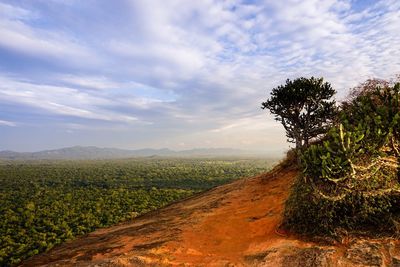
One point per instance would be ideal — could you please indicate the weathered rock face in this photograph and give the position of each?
(232, 225)
(366, 253)
(360, 252)
(291, 256)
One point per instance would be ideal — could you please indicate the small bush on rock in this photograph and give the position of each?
(351, 178)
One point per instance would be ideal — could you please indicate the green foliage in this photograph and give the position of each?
(351, 178)
(307, 212)
(46, 203)
(304, 108)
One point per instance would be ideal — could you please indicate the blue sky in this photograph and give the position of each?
(177, 73)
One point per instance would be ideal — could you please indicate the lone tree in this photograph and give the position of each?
(304, 108)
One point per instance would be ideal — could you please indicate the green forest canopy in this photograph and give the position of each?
(45, 203)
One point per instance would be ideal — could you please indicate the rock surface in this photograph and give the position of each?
(231, 225)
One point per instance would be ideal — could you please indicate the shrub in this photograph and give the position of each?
(351, 178)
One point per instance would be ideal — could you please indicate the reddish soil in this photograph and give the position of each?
(244, 222)
(232, 225)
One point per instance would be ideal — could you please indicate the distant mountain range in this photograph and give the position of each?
(92, 152)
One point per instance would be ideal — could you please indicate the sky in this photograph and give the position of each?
(177, 74)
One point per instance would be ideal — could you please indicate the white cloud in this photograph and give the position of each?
(14, 12)
(8, 123)
(59, 100)
(90, 82)
(18, 35)
(200, 68)
(171, 58)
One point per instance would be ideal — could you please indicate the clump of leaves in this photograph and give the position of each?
(304, 107)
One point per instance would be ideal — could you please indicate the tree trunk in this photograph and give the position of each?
(299, 149)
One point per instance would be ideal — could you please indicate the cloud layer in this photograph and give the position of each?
(177, 73)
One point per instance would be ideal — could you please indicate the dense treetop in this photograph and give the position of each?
(304, 107)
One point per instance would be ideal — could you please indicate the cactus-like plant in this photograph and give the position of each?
(352, 176)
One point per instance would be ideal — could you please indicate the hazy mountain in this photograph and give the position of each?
(92, 152)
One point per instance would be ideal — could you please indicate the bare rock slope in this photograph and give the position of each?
(231, 225)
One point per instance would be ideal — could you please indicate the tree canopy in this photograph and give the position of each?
(304, 107)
